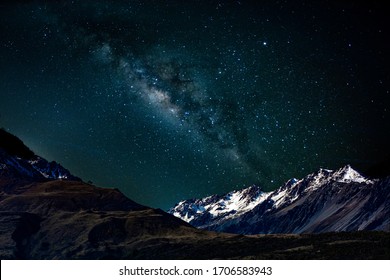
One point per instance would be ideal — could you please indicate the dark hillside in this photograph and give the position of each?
(14, 146)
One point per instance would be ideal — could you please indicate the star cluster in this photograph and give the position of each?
(168, 100)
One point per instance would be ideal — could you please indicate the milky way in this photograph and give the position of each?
(169, 100)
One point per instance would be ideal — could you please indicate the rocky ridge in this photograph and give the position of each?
(324, 201)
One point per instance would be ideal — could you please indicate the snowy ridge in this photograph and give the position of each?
(227, 206)
(347, 175)
(16, 165)
(237, 202)
(17, 160)
(51, 170)
(322, 201)
(35, 168)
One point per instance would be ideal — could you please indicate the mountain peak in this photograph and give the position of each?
(16, 159)
(326, 200)
(234, 203)
(347, 174)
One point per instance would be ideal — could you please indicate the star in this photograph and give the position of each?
(164, 110)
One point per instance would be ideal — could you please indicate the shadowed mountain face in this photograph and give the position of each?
(13, 146)
(47, 219)
(18, 161)
(45, 214)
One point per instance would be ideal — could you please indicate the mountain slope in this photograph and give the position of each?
(72, 220)
(216, 208)
(341, 200)
(17, 160)
(45, 215)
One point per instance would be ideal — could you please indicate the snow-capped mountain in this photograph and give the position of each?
(51, 170)
(341, 200)
(18, 161)
(216, 208)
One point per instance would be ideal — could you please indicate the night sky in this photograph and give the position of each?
(168, 100)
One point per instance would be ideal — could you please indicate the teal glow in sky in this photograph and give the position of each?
(168, 100)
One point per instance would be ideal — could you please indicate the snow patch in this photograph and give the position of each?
(347, 175)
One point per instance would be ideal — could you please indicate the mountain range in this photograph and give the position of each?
(325, 201)
(18, 161)
(48, 213)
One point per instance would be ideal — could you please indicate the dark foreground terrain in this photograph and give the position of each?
(47, 213)
(72, 220)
